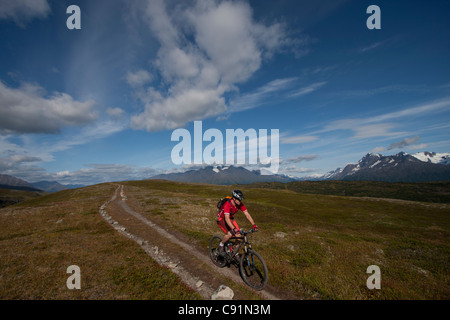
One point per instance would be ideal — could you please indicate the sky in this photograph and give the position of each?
(101, 103)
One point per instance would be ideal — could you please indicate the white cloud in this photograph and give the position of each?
(298, 139)
(115, 112)
(22, 11)
(13, 162)
(138, 78)
(174, 111)
(205, 51)
(27, 110)
(229, 36)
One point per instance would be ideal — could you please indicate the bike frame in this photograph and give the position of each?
(243, 241)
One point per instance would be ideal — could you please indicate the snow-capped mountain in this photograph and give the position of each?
(401, 167)
(433, 157)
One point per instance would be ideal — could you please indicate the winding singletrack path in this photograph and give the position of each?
(174, 251)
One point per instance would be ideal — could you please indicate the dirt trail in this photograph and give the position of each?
(174, 251)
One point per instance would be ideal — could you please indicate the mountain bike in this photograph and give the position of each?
(252, 268)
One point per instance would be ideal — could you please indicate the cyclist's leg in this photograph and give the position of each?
(236, 226)
(226, 230)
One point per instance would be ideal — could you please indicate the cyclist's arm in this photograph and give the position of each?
(228, 220)
(249, 217)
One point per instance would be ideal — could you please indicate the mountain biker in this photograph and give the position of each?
(226, 220)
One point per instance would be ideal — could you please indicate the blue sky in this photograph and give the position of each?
(100, 103)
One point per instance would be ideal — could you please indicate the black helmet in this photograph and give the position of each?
(238, 195)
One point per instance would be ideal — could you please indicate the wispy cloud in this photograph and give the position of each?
(308, 89)
(266, 93)
(308, 157)
(370, 47)
(298, 139)
(375, 130)
(382, 125)
(23, 11)
(295, 171)
(427, 108)
(91, 133)
(362, 128)
(260, 96)
(398, 88)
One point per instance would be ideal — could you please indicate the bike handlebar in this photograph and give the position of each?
(243, 232)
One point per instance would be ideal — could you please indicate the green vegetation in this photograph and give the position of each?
(424, 191)
(9, 197)
(40, 238)
(316, 246)
(320, 246)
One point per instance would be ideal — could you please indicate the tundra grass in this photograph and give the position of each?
(320, 246)
(9, 197)
(41, 238)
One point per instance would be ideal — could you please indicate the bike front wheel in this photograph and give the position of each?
(253, 270)
(214, 254)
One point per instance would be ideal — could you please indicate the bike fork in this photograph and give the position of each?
(250, 261)
(251, 264)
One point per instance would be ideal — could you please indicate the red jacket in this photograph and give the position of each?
(230, 209)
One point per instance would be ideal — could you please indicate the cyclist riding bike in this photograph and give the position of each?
(226, 220)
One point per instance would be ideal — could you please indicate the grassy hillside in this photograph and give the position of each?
(423, 191)
(40, 238)
(317, 246)
(9, 197)
(320, 246)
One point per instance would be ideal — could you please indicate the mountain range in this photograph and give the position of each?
(222, 175)
(10, 182)
(401, 167)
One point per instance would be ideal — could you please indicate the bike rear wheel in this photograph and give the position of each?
(253, 270)
(216, 258)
